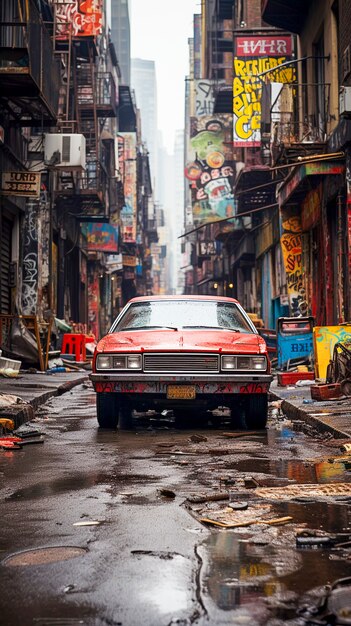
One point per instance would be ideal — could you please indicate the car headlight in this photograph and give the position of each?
(119, 362)
(103, 362)
(134, 362)
(228, 362)
(244, 363)
(259, 363)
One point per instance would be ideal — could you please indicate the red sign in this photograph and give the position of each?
(79, 18)
(263, 46)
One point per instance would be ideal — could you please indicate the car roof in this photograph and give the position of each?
(181, 297)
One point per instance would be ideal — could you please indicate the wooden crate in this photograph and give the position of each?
(326, 392)
(291, 378)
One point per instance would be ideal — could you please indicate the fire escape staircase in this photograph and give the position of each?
(89, 98)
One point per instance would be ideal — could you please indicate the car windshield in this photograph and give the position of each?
(183, 314)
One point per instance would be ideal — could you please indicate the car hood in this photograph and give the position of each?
(182, 340)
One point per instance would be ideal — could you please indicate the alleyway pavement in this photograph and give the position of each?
(34, 389)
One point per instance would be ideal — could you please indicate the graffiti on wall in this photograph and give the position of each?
(324, 340)
(210, 168)
(80, 18)
(291, 243)
(30, 259)
(255, 56)
(128, 212)
(204, 96)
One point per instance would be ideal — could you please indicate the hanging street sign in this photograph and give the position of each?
(21, 184)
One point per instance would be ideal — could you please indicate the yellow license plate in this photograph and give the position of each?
(181, 392)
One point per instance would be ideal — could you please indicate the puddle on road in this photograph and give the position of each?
(257, 575)
(300, 472)
(262, 582)
(76, 483)
(294, 469)
(62, 485)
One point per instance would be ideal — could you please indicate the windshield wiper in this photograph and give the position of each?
(233, 330)
(145, 328)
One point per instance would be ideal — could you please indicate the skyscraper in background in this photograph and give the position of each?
(120, 35)
(143, 81)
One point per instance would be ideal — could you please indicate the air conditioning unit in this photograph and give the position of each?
(65, 151)
(345, 101)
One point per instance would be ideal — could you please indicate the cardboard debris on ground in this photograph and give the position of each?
(346, 447)
(230, 518)
(210, 497)
(290, 492)
(7, 399)
(276, 521)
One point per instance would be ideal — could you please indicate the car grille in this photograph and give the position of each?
(170, 363)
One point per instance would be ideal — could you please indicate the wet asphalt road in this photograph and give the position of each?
(148, 559)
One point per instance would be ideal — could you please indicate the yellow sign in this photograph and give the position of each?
(291, 243)
(257, 60)
(324, 340)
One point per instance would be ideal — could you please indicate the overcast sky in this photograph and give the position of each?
(159, 32)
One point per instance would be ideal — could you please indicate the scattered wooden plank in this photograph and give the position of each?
(244, 433)
(271, 522)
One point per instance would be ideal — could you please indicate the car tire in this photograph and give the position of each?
(256, 411)
(125, 417)
(107, 410)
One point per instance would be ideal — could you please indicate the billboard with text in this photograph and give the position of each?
(257, 60)
(129, 211)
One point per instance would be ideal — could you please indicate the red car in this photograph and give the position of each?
(190, 354)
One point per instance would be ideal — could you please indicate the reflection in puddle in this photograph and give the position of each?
(240, 575)
(164, 585)
(75, 483)
(55, 487)
(298, 471)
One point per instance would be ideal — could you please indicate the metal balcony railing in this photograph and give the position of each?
(94, 178)
(300, 114)
(96, 89)
(27, 65)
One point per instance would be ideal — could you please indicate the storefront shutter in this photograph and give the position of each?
(5, 259)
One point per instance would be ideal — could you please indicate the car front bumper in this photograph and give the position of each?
(158, 384)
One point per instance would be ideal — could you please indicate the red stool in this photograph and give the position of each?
(74, 344)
